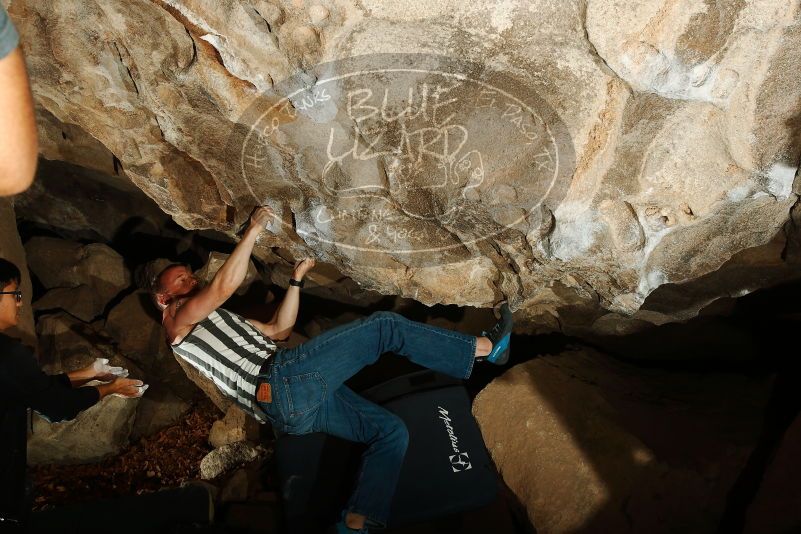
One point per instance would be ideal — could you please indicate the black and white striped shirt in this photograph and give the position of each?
(230, 351)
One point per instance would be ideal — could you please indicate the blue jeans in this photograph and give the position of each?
(308, 394)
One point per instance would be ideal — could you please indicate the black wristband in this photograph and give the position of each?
(293, 282)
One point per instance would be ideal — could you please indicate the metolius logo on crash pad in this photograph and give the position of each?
(460, 460)
(411, 156)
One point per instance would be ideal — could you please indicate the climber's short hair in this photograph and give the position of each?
(149, 277)
(9, 273)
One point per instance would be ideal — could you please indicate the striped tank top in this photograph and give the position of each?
(229, 351)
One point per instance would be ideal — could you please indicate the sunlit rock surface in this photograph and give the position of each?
(227, 457)
(235, 426)
(590, 444)
(602, 164)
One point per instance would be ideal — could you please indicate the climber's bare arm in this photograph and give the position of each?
(181, 314)
(279, 327)
(19, 146)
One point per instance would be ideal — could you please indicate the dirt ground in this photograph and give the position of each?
(164, 460)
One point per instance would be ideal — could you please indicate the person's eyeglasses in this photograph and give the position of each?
(17, 294)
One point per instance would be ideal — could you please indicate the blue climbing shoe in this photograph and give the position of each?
(500, 335)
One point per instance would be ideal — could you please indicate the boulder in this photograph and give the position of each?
(67, 344)
(90, 199)
(100, 431)
(135, 326)
(228, 457)
(82, 302)
(590, 444)
(235, 426)
(59, 263)
(326, 281)
(159, 408)
(53, 260)
(583, 156)
(213, 264)
(206, 385)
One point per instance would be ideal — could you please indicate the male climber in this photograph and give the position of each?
(301, 390)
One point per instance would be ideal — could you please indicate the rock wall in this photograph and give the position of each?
(602, 164)
(590, 444)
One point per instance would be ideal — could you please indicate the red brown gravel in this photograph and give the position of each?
(163, 460)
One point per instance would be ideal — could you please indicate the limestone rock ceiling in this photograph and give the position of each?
(598, 163)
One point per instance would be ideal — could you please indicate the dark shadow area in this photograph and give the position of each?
(139, 241)
(756, 340)
(164, 512)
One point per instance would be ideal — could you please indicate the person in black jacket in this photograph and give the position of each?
(23, 385)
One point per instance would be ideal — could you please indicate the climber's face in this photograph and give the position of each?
(178, 281)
